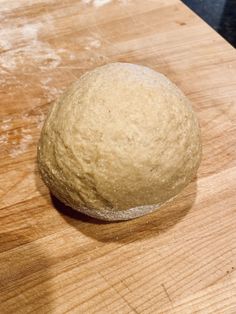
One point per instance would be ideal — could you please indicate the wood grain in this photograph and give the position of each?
(180, 259)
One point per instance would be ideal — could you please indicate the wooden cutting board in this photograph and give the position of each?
(182, 258)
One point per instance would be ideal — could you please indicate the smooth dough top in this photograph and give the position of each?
(122, 136)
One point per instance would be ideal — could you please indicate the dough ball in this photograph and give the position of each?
(119, 143)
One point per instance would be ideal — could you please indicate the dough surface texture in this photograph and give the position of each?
(119, 143)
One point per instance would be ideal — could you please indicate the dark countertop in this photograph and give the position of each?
(219, 14)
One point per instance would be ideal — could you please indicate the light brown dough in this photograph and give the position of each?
(119, 143)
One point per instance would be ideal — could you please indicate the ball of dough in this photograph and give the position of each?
(119, 143)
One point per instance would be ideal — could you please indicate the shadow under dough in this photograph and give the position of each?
(132, 230)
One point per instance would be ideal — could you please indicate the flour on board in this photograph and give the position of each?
(22, 146)
(23, 50)
(36, 118)
(3, 139)
(38, 52)
(6, 124)
(100, 3)
(28, 51)
(12, 35)
(92, 43)
(34, 50)
(30, 30)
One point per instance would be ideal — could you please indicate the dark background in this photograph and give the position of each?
(219, 14)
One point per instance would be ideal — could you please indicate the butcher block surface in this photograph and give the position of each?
(180, 259)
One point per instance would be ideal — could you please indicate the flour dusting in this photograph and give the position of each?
(51, 92)
(5, 127)
(91, 45)
(40, 121)
(100, 3)
(95, 43)
(7, 62)
(6, 120)
(45, 81)
(22, 146)
(96, 3)
(3, 139)
(11, 36)
(4, 45)
(38, 118)
(30, 31)
(6, 37)
(33, 52)
(36, 53)
(6, 124)
(24, 50)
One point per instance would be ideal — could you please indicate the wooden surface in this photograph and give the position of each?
(179, 260)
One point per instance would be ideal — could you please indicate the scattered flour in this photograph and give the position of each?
(96, 3)
(5, 127)
(93, 43)
(3, 139)
(22, 48)
(36, 53)
(7, 62)
(40, 121)
(6, 38)
(27, 52)
(72, 56)
(30, 30)
(45, 81)
(6, 124)
(100, 3)
(12, 35)
(67, 53)
(4, 44)
(90, 43)
(37, 118)
(50, 91)
(6, 120)
(22, 146)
